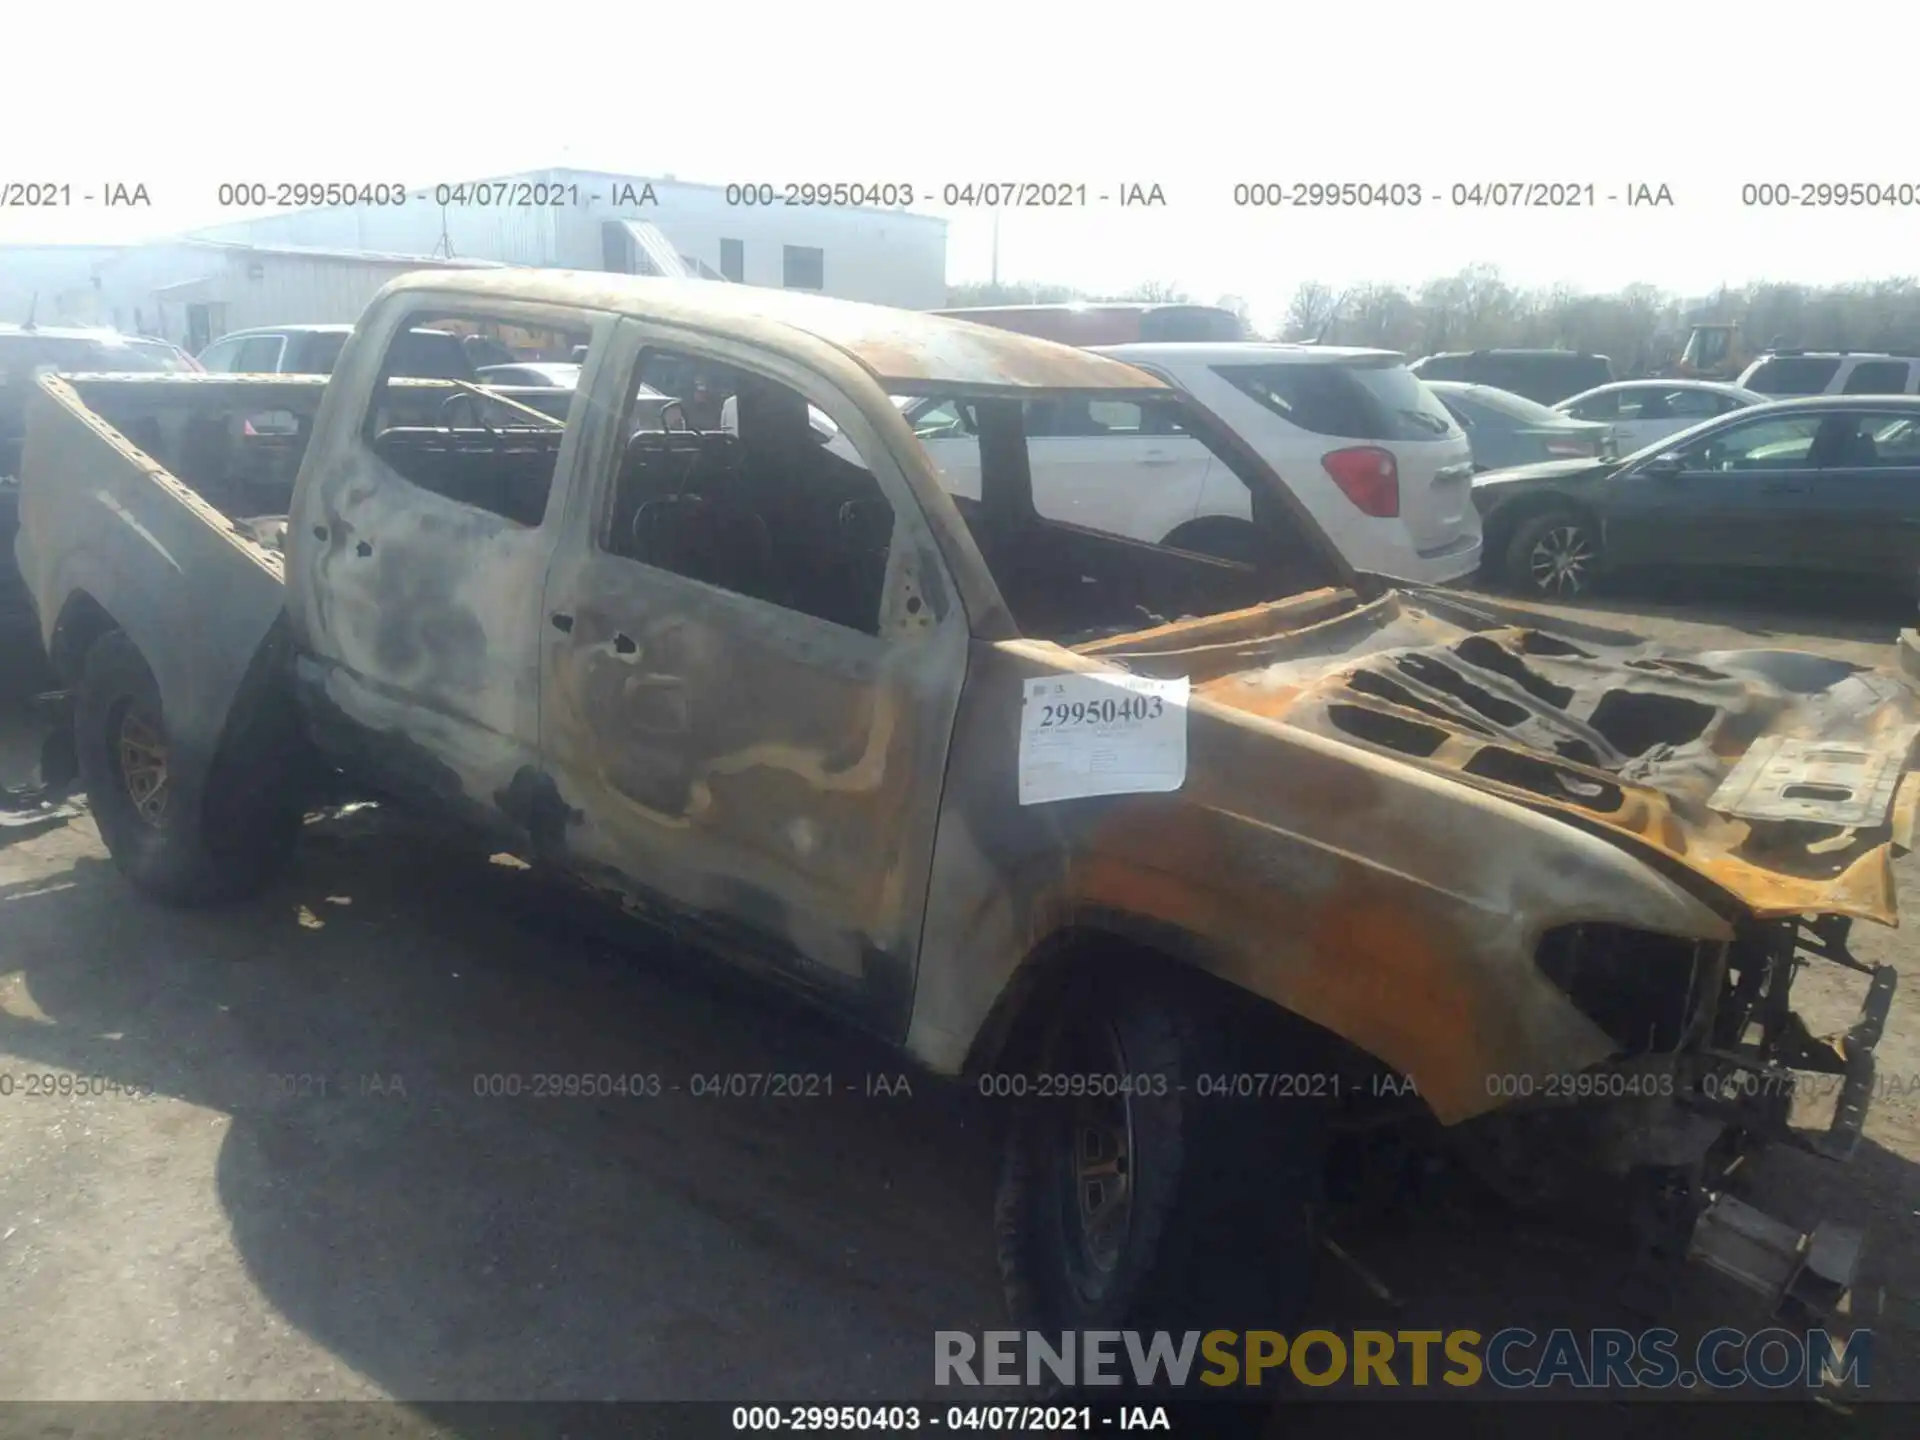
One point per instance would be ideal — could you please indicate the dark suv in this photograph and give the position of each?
(1544, 376)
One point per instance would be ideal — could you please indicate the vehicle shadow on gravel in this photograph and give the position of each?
(451, 1244)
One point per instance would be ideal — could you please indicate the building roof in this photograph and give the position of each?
(345, 257)
(910, 351)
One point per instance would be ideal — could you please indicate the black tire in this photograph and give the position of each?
(1223, 1197)
(241, 831)
(1554, 555)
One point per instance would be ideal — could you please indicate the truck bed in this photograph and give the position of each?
(144, 502)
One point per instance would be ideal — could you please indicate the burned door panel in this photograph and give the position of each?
(419, 619)
(421, 550)
(758, 774)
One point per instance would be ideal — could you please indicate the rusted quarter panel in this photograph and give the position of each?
(104, 521)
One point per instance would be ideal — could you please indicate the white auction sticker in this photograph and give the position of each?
(1083, 735)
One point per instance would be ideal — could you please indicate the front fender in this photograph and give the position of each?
(1396, 908)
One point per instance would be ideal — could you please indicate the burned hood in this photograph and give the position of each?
(1775, 775)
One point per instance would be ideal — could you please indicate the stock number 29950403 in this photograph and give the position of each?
(1112, 711)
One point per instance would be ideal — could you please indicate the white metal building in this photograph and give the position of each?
(194, 291)
(322, 266)
(889, 256)
(52, 282)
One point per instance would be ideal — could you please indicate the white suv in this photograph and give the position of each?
(1369, 451)
(1786, 373)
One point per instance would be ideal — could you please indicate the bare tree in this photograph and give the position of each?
(1309, 311)
(1158, 292)
(1240, 309)
(1379, 315)
(1019, 292)
(1641, 327)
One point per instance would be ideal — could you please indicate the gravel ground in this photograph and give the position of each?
(309, 1199)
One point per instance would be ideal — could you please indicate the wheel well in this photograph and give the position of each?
(83, 621)
(1229, 537)
(1209, 525)
(1500, 526)
(1063, 969)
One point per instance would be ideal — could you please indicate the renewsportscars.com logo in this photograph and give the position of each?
(1509, 1359)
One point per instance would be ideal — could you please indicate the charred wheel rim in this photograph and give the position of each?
(141, 745)
(1097, 1170)
(1561, 560)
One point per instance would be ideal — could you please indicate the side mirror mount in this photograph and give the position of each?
(1668, 466)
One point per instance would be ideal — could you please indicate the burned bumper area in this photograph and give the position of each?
(1782, 782)
(1713, 1062)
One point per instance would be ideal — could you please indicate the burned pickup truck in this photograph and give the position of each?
(1132, 836)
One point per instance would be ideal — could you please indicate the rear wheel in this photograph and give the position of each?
(1554, 555)
(1159, 1200)
(178, 849)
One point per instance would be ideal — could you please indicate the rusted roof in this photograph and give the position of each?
(902, 348)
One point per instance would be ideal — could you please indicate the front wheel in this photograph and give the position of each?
(179, 848)
(1161, 1200)
(1554, 555)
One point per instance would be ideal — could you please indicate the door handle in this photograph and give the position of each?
(563, 623)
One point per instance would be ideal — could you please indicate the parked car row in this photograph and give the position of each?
(1690, 474)
(1824, 485)
(1536, 467)
(1410, 475)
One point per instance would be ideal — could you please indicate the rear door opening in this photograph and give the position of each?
(1077, 583)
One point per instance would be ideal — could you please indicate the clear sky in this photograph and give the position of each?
(1194, 98)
